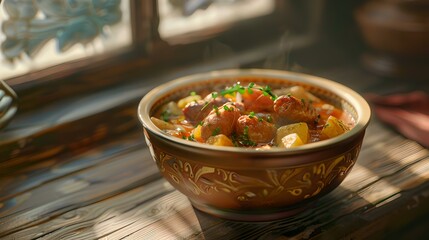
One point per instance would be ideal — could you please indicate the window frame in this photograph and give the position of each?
(147, 51)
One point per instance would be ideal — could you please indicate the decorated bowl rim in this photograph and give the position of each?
(353, 98)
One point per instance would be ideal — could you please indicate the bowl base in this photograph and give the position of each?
(250, 215)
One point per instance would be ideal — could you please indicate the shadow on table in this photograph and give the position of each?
(318, 217)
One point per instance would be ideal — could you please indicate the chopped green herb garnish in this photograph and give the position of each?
(216, 131)
(248, 142)
(214, 95)
(205, 105)
(191, 137)
(227, 108)
(269, 119)
(246, 131)
(316, 121)
(193, 93)
(236, 88)
(216, 109)
(165, 115)
(251, 115)
(244, 139)
(267, 91)
(249, 87)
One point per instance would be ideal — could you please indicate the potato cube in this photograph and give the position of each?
(220, 140)
(172, 109)
(291, 140)
(163, 125)
(300, 93)
(301, 129)
(184, 101)
(196, 134)
(332, 128)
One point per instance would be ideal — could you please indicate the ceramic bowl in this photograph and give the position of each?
(249, 184)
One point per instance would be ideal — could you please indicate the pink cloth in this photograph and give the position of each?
(407, 112)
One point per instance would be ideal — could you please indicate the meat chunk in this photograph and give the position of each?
(220, 120)
(257, 101)
(195, 112)
(254, 130)
(295, 110)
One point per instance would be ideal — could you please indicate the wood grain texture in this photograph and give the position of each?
(76, 189)
(122, 196)
(25, 179)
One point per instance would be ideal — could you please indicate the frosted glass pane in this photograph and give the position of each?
(39, 34)
(179, 16)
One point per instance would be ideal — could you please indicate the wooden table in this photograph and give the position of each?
(114, 191)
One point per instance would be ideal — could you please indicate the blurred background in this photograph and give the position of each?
(388, 36)
(72, 73)
(37, 35)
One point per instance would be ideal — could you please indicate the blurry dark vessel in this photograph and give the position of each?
(397, 31)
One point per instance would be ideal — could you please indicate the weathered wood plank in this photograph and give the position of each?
(172, 214)
(57, 167)
(85, 187)
(102, 218)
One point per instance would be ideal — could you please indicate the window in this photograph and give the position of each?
(111, 45)
(191, 17)
(41, 34)
(49, 47)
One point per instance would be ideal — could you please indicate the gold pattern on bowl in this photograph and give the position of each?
(306, 181)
